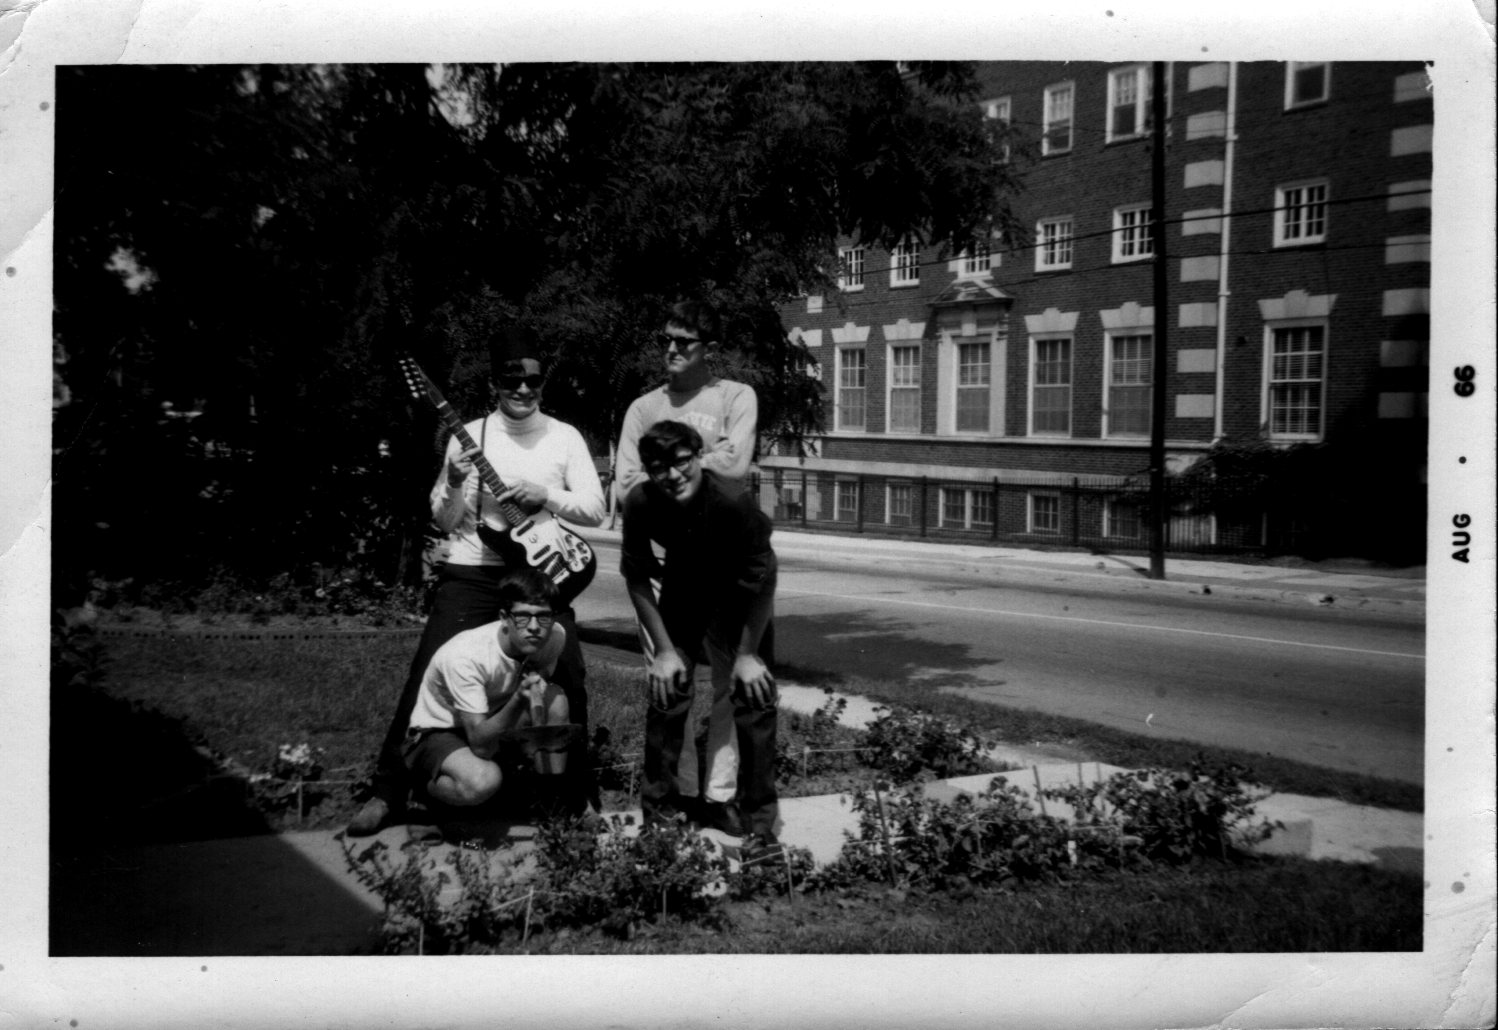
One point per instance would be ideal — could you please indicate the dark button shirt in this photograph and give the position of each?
(717, 546)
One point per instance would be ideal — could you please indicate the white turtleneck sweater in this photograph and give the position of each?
(537, 448)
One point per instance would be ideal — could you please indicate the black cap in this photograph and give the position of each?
(511, 344)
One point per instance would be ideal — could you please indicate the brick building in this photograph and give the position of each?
(1007, 394)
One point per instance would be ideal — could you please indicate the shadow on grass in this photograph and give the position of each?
(152, 854)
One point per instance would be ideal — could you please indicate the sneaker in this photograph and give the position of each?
(760, 847)
(371, 819)
(720, 815)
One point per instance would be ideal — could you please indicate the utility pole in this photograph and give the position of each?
(1157, 363)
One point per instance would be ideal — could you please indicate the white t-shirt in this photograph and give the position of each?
(471, 673)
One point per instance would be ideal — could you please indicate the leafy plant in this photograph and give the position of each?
(1172, 816)
(908, 745)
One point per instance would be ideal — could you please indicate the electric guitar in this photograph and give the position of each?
(538, 540)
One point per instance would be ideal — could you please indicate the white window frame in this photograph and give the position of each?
(1293, 213)
(1110, 531)
(998, 109)
(905, 264)
(1267, 397)
(842, 388)
(968, 496)
(1291, 67)
(850, 261)
(903, 379)
(1133, 233)
(1054, 243)
(1110, 359)
(976, 262)
(1050, 119)
(909, 517)
(1031, 523)
(975, 370)
(1140, 79)
(845, 488)
(1036, 343)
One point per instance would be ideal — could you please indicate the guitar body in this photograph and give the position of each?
(543, 543)
(537, 540)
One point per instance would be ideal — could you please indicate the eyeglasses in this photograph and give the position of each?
(682, 465)
(668, 341)
(542, 619)
(535, 382)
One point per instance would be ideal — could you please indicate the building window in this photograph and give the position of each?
(998, 110)
(974, 376)
(1050, 402)
(905, 263)
(976, 260)
(1056, 131)
(852, 372)
(1133, 233)
(845, 493)
(1121, 520)
(966, 508)
(1045, 512)
(1053, 244)
(1296, 372)
(1128, 102)
(900, 505)
(1300, 213)
(1129, 361)
(850, 263)
(1307, 82)
(905, 389)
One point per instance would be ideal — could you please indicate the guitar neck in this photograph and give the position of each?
(512, 513)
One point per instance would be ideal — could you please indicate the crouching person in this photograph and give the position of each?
(487, 708)
(717, 595)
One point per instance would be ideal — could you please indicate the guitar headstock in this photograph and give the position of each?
(422, 388)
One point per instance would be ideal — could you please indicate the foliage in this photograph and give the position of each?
(619, 881)
(907, 839)
(812, 745)
(906, 744)
(78, 661)
(242, 249)
(1173, 816)
(294, 769)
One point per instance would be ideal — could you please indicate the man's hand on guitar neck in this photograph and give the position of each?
(527, 496)
(460, 466)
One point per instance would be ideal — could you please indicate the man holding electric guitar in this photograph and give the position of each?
(507, 480)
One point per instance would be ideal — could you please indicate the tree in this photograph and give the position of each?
(256, 242)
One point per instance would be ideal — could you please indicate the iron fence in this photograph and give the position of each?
(1072, 511)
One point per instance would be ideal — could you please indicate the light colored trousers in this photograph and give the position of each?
(722, 737)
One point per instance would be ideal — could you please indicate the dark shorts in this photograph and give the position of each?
(424, 751)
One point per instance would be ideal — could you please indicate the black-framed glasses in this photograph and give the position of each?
(542, 619)
(656, 470)
(667, 341)
(535, 382)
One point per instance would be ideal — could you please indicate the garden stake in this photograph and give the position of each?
(805, 751)
(1039, 796)
(299, 802)
(790, 883)
(889, 858)
(525, 934)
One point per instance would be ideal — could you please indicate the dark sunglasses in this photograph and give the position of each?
(516, 382)
(679, 342)
(682, 465)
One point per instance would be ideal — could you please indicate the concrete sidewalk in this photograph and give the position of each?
(1333, 584)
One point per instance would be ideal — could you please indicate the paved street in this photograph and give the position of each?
(1340, 687)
